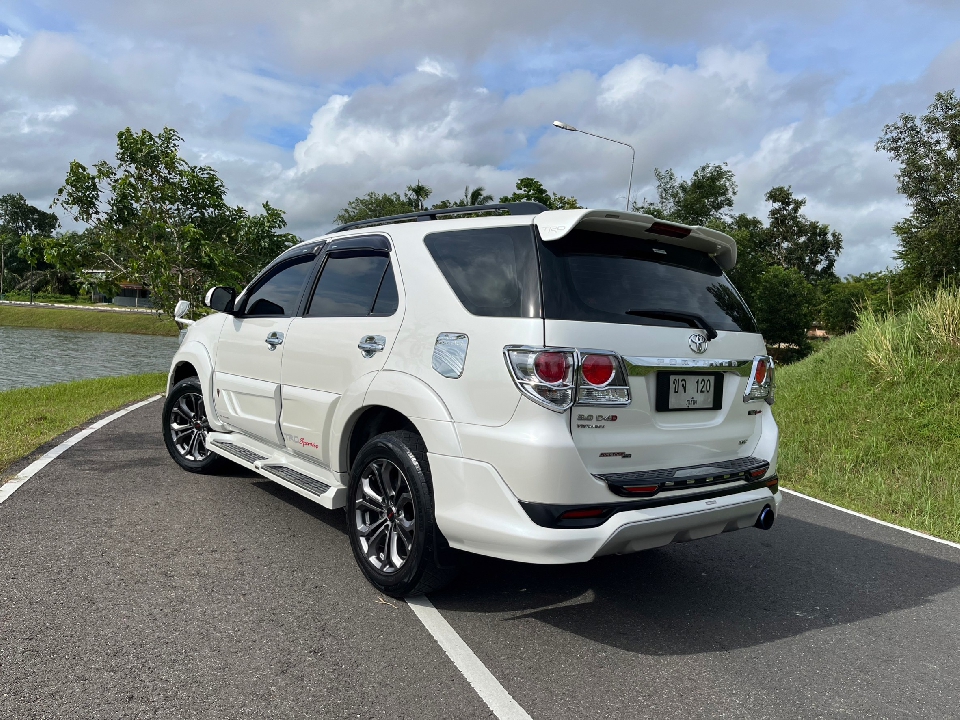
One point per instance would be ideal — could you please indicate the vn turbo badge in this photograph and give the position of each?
(698, 342)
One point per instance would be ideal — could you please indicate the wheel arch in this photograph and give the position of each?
(398, 401)
(192, 360)
(181, 371)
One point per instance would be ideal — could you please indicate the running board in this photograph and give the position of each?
(282, 467)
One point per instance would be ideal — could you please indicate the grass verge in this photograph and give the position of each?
(31, 417)
(66, 319)
(872, 422)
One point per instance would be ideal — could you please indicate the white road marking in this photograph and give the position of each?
(873, 519)
(482, 680)
(8, 489)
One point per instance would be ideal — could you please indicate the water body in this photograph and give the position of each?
(32, 356)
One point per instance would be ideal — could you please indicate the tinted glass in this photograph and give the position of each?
(279, 294)
(493, 271)
(387, 298)
(595, 277)
(348, 284)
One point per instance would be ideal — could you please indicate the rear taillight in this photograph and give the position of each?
(760, 385)
(552, 367)
(545, 375)
(558, 377)
(601, 379)
(598, 370)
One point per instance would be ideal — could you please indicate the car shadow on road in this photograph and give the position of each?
(732, 591)
(334, 519)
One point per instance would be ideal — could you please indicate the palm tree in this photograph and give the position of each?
(417, 196)
(477, 196)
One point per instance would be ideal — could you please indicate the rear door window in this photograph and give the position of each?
(493, 271)
(354, 283)
(597, 277)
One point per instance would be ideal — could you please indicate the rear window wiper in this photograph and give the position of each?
(691, 319)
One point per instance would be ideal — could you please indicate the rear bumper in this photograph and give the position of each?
(536, 456)
(477, 512)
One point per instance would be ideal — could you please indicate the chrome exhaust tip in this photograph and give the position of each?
(765, 519)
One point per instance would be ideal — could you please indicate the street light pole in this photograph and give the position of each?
(571, 128)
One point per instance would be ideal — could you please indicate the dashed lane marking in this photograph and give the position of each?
(480, 678)
(9, 488)
(873, 519)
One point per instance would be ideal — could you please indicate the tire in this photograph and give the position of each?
(185, 428)
(390, 517)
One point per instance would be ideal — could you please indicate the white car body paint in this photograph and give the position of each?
(495, 455)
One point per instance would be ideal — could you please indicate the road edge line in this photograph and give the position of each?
(500, 702)
(917, 533)
(10, 487)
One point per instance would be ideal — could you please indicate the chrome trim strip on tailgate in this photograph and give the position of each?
(639, 366)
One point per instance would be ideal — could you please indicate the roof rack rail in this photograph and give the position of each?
(513, 208)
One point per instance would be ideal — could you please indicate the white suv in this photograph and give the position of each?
(543, 386)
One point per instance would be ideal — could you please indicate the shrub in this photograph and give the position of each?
(928, 332)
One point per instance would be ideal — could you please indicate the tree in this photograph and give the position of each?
(705, 197)
(784, 308)
(155, 219)
(884, 292)
(531, 189)
(753, 254)
(19, 220)
(477, 196)
(808, 246)
(377, 205)
(417, 196)
(374, 205)
(928, 151)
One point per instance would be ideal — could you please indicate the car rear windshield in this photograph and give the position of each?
(597, 277)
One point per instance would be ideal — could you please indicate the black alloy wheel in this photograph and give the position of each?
(390, 517)
(185, 427)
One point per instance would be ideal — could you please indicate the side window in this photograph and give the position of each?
(354, 283)
(493, 271)
(279, 293)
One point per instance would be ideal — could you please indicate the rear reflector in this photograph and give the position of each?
(582, 513)
(642, 489)
(674, 231)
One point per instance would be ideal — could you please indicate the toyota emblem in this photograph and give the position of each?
(698, 343)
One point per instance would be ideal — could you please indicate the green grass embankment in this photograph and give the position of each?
(99, 321)
(872, 422)
(31, 417)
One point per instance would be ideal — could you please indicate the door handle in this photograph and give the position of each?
(370, 345)
(273, 339)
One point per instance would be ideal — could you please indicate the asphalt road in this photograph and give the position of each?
(131, 589)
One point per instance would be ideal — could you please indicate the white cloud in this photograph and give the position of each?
(9, 46)
(451, 97)
(730, 106)
(433, 67)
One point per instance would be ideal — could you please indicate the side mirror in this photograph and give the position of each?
(182, 308)
(220, 299)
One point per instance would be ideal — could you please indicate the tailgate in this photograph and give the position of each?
(641, 437)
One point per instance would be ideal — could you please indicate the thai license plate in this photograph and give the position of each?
(689, 391)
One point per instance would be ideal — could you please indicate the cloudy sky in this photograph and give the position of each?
(308, 103)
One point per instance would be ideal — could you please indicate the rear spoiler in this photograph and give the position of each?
(555, 224)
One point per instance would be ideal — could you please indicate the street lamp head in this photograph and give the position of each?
(564, 126)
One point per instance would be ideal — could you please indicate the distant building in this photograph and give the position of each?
(130, 295)
(133, 295)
